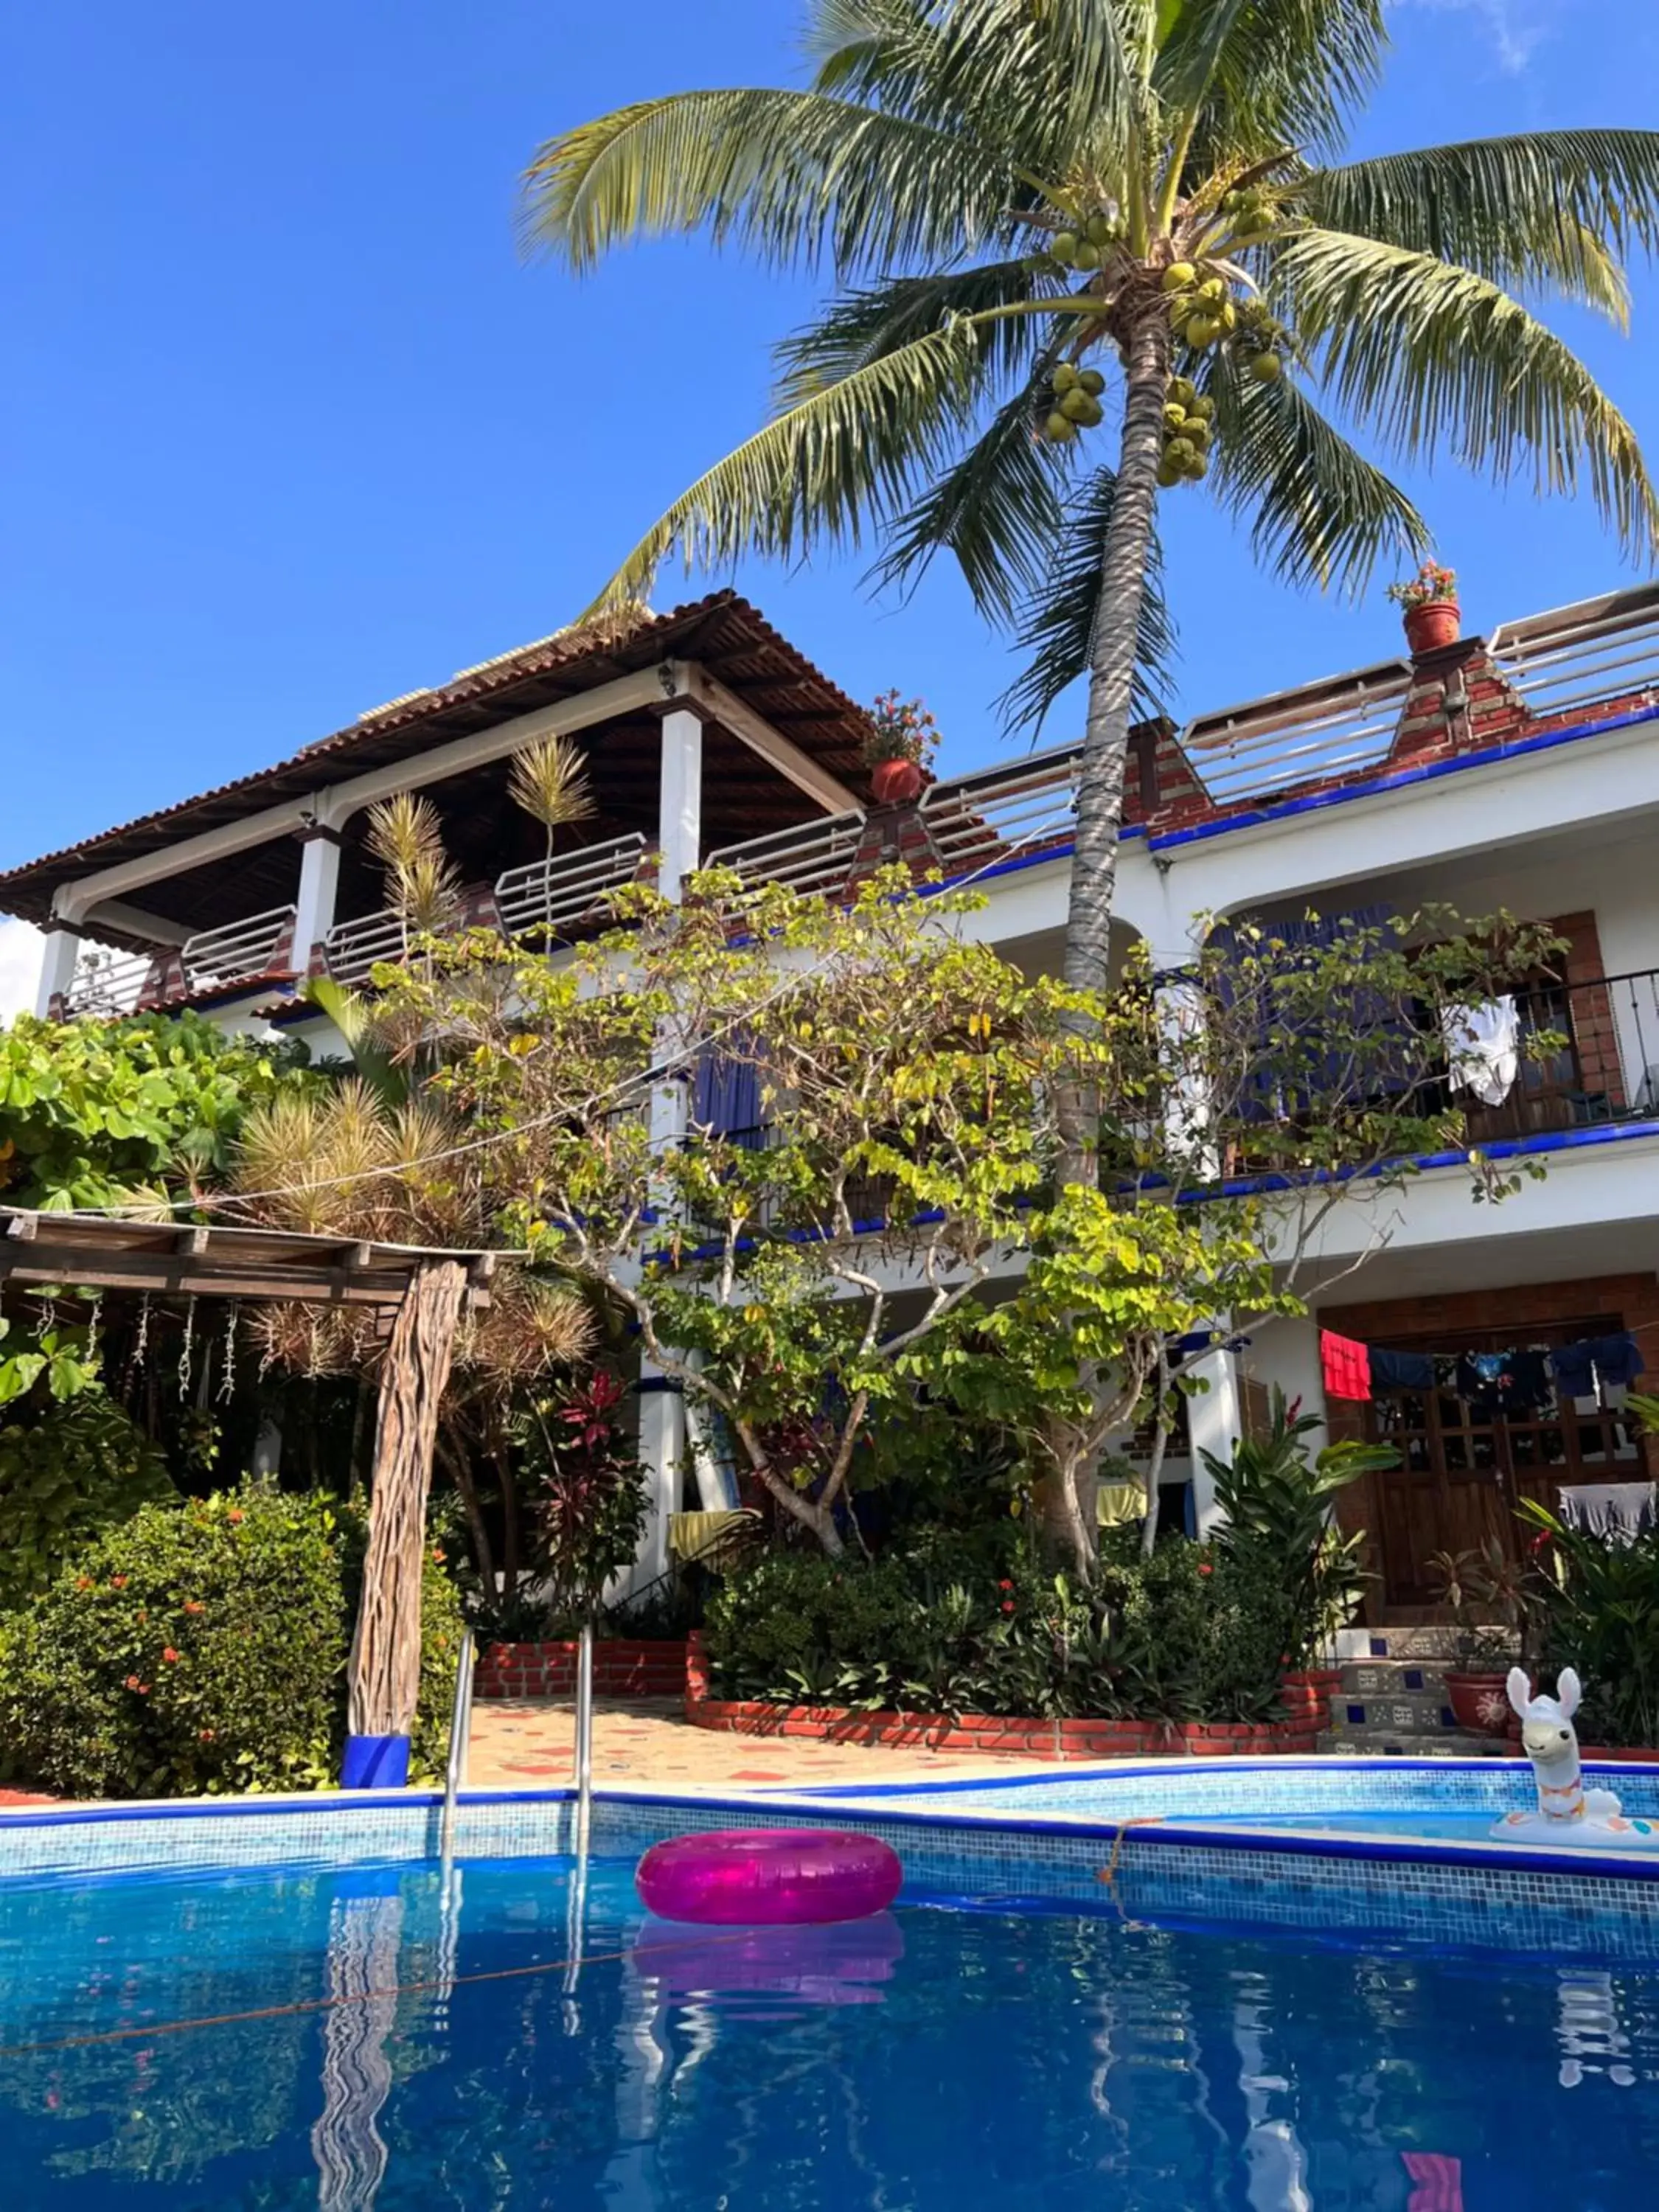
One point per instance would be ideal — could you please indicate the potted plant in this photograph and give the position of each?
(1483, 1590)
(899, 748)
(1432, 616)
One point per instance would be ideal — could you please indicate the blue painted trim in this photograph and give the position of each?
(661, 1386)
(1398, 779)
(1504, 1148)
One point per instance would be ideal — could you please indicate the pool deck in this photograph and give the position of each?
(529, 1743)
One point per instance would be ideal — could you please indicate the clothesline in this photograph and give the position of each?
(1492, 1382)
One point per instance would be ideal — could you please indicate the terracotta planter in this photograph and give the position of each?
(1479, 1700)
(896, 782)
(1437, 622)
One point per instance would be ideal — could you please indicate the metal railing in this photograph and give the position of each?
(1605, 1068)
(812, 856)
(1595, 653)
(552, 895)
(1305, 735)
(107, 983)
(460, 1730)
(241, 951)
(976, 820)
(352, 950)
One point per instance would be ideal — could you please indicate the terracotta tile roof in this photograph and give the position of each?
(727, 635)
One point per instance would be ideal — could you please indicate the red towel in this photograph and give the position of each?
(1346, 1366)
(1439, 2181)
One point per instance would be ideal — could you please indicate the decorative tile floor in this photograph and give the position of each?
(528, 1743)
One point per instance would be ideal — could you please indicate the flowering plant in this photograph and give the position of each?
(900, 729)
(1430, 582)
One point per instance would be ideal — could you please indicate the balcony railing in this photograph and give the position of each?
(812, 856)
(1305, 735)
(1601, 652)
(110, 983)
(979, 819)
(107, 984)
(556, 893)
(240, 952)
(1607, 1069)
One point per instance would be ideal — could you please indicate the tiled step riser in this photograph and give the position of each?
(1399, 1743)
(1393, 1678)
(1421, 1715)
(1436, 1646)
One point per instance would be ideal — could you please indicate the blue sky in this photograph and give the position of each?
(291, 428)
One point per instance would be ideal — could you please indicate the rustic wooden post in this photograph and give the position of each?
(386, 1650)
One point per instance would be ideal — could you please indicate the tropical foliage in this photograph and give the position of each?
(203, 1647)
(79, 1468)
(818, 1266)
(1032, 212)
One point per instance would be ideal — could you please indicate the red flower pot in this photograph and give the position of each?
(896, 782)
(1437, 622)
(1479, 1700)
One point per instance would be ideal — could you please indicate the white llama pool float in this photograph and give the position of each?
(1566, 1812)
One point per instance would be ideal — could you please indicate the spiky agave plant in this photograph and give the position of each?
(1032, 208)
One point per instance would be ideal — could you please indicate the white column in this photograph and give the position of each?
(1215, 1422)
(59, 955)
(662, 1454)
(319, 882)
(680, 820)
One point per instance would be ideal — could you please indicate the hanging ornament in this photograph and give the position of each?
(140, 1340)
(94, 1323)
(227, 1379)
(186, 1354)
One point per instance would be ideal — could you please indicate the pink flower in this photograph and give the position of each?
(1205, 1567)
(169, 1655)
(1007, 1605)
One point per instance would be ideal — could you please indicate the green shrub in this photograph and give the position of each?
(203, 1647)
(65, 1477)
(1189, 1634)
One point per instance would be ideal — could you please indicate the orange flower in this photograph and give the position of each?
(169, 1655)
(236, 1513)
(83, 1581)
(193, 1605)
(117, 1581)
(132, 1681)
(207, 1735)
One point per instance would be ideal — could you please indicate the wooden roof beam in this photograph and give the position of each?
(699, 689)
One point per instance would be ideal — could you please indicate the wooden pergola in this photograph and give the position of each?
(423, 1293)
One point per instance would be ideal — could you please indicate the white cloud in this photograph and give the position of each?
(20, 966)
(1516, 28)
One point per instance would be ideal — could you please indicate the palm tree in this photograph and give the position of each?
(1033, 209)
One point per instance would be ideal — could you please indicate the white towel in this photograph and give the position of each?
(1483, 1045)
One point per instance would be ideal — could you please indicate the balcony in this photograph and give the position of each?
(239, 955)
(1605, 1070)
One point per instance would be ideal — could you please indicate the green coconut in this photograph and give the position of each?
(1167, 476)
(1087, 256)
(1196, 469)
(1195, 432)
(1077, 406)
(1266, 369)
(1178, 276)
(1063, 244)
(1204, 331)
(1174, 416)
(1227, 315)
(1179, 455)
(1212, 288)
(1065, 376)
(1200, 407)
(1096, 414)
(1092, 381)
(1059, 430)
(1182, 389)
(1099, 228)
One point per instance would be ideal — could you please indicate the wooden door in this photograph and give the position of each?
(1463, 1469)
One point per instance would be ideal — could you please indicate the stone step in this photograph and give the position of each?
(1431, 1645)
(1406, 1743)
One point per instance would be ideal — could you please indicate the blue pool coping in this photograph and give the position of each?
(824, 1804)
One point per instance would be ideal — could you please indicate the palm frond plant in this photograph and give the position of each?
(549, 783)
(405, 835)
(1084, 254)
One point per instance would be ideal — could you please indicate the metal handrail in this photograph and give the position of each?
(460, 1728)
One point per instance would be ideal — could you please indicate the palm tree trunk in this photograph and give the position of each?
(1100, 784)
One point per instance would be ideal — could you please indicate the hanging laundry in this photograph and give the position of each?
(1401, 1371)
(1617, 1512)
(1618, 1359)
(1484, 1379)
(1483, 1046)
(1344, 1366)
(1529, 1392)
(1614, 1361)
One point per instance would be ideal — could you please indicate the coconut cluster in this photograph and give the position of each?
(1188, 420)
(1205, 312)
(1082, 248)
(1077, 403)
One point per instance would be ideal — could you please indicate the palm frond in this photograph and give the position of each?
(1545, 208)
(402, 831)
(861, 326)
(1438, 358)
(1057, 79)
(1318, 512)
(1274, 74)
(997, 508)
(548, 781)
(872, 49)
(816, 474)
(1058, 624)
(791, 175)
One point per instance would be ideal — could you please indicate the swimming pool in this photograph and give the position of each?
(299, 2034)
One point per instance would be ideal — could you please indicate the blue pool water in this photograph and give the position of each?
(339, 2039)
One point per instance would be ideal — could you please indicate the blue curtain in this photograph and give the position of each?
(726, 1096)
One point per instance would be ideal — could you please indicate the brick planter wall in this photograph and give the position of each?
(1054, 1741)
(621, 1669)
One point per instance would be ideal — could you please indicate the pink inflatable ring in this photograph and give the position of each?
(768, 1877)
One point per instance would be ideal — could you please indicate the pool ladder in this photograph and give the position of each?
(460, 1728)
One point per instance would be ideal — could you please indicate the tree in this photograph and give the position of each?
(1022, 201)
(897, 1222)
